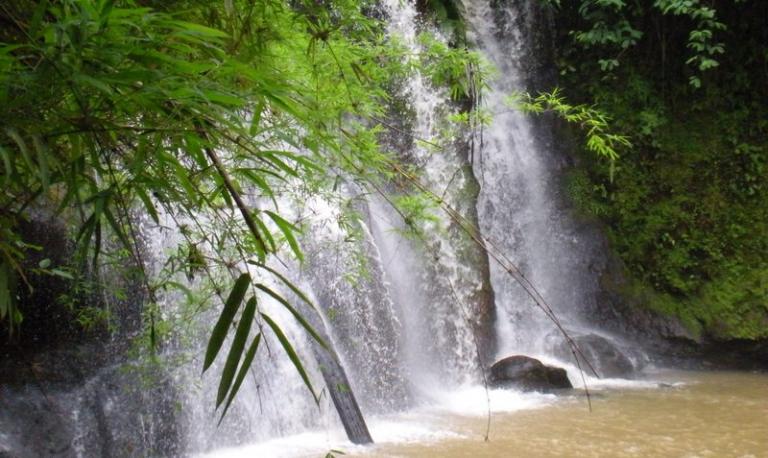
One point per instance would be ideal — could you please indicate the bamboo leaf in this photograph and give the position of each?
(42, 161)
(225, 319)
(184, 289)
(291, 353)
(308, 327)
(6, 157)
(287, 229)
(247, 361)
(86, 230)
(14, 134)
(286, 282)
(117, 228)
(236, 350)
(148, 205)
(265, 232)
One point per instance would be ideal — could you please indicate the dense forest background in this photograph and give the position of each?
(685, 208)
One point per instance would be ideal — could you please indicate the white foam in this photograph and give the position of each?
(473, 401)
(426, 424)
(429, 423)
(313, 444)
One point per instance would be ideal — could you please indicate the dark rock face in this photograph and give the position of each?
(602, 354)
(666, 339)
(112, 412)
(528, 374)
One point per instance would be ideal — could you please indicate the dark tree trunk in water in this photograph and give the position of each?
(338, 384)
(342, 396)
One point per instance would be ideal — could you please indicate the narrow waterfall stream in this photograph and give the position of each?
(518, 206)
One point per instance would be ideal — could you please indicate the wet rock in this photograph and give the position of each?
(111, 413)
(32, 426)
(528, 374)
(604, 355)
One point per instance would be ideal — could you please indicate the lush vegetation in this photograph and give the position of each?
(199, 116)
(685, 210)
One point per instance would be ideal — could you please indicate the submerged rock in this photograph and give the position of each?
(528, 374)
(605, 356)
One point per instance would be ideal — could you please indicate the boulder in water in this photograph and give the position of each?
(605, 356)
(527, 374)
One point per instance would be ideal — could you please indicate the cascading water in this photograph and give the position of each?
(440, 281)
(412, 321)
(519, 205)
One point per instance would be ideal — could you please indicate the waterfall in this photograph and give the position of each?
(412, 321)
(520, 207)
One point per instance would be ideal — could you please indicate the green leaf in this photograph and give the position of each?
(265, 233)
(93, 82)
(5, 292)
(14, 134)
(236, 350)
(62, 273)
(115, 224)
(246, 364)
(148, 205)
(6, 157)
(287, 229)
(219, 332)
(291, 353)
(286, 282)
(295, 314)
(42, 160)
(183, 288)
(200, 29)
(85, 233)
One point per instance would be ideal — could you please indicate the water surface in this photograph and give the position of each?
(669, 414)
(714, 414)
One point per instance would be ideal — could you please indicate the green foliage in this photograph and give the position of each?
(462, 71)
(607, 29)
(199, 116)
(686, 210)
(599, 138)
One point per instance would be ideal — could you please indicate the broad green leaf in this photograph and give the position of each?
(244, 367)
(236, 350)
(231, 306)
